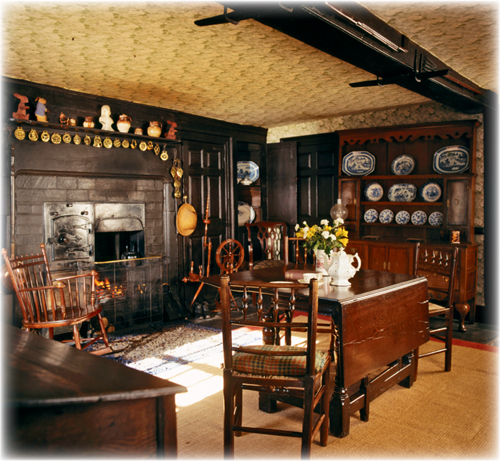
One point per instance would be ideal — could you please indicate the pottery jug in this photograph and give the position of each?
(154, 129)
(88, 122)
(323, 261)
(342, 269)
(123, 123)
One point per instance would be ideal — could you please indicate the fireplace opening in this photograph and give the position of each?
(112, 246)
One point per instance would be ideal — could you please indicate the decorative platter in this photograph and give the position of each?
(374, 192)
(247, 172)
(245, 213)
(451, 159)
(402, 193)
(386, 216)
(358, 163)
(371, 215)
(431, 192)
(436, 218)
(418, 218)
(404, 164)
(402, 217)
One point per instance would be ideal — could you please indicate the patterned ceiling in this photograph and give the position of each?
(153, 53)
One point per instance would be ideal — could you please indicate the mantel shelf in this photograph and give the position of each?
(95, 131)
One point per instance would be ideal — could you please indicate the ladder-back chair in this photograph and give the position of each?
(48, 303)
(270, 235)
(297, 372)
(439, 265)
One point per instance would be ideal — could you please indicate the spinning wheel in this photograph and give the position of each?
(229, 256)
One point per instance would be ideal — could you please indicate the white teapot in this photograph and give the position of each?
(342, 269)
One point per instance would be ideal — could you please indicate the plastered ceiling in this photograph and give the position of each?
(153, 53)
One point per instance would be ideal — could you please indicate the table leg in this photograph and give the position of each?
(463, 309)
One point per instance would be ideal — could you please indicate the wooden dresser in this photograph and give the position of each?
(389, 246)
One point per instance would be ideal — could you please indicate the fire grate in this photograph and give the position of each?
(131, 291)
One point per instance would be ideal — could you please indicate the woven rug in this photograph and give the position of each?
(161, 349)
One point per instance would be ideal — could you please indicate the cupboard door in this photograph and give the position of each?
(457, 199)
(377, 257)
(349, 191)
(398, 260)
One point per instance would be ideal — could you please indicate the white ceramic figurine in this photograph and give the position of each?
(105, 118)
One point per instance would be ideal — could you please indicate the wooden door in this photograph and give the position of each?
(207, 173)
(317, 177)
(280, 191)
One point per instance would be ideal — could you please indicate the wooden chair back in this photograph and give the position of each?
(51, 303)
(285, 372)
(270, 235)
(439, 265)
(294, 246)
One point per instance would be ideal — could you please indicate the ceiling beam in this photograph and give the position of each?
(350, 32)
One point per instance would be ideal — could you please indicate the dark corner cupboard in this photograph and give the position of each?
(390, 245)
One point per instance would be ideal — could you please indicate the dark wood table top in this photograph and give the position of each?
(364, 283)
(41, 371)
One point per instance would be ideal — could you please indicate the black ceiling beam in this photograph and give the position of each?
(350, 32)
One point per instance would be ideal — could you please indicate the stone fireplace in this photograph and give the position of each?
(88, 223)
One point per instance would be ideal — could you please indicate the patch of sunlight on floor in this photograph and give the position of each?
(146, 364)
(199, 391)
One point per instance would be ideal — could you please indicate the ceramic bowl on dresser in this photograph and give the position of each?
(402, 217)
(430, 192)
(402, 193)
(451, 160)
(403, 165)
(358, 163)
(374, 192)
(371, 215)
(436, 218)
(419, 218)
(386, 216)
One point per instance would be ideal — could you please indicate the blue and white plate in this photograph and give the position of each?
(402, 217)
(386, 216)
(431, 192)
(403, 164)
(436, 218)
(248, 172)
(374, 192)
(402, 193)
(418, 218)
(371, 215)
(245, 213)
(358, 163)
(451, 159)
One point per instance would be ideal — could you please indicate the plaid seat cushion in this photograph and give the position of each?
(265, 365)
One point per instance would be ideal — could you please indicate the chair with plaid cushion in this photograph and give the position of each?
(439, 264)
(299, 372)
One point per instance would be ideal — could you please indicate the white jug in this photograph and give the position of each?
(342, 269)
